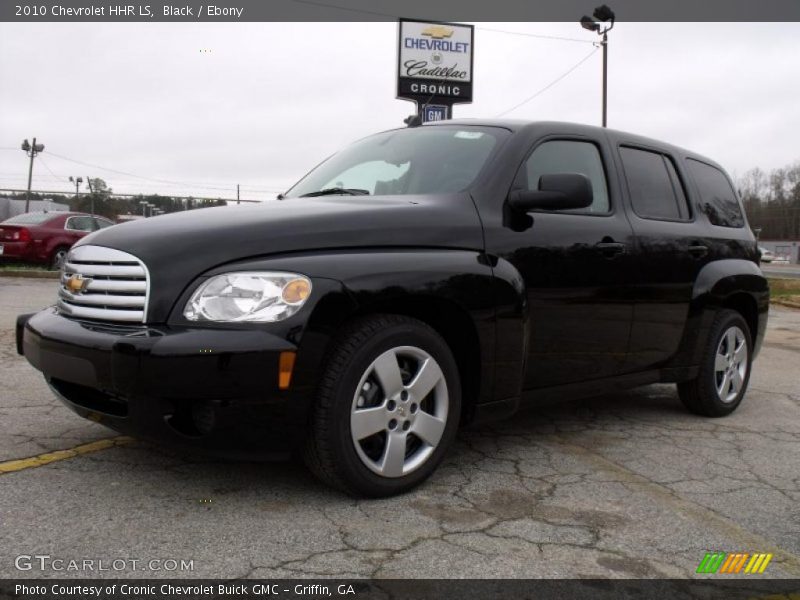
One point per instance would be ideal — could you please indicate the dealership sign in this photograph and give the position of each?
(434, 62)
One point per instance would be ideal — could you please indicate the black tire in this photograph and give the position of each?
(58, 256)
(701, 395)
(331, 451)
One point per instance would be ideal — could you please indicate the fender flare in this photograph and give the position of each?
(404, 280)
(720, 283)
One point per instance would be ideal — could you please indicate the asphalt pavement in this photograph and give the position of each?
(623, 485)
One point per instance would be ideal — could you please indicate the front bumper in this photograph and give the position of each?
(212, 389)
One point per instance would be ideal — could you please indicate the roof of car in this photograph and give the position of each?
(518, 125)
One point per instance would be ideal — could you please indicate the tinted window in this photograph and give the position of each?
(80, 223)
(30, 219)
(103, 223)
(717, 197)
(564, 156)
(654, 186)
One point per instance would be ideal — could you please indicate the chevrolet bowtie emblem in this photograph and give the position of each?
(77, 283)
(438, 32)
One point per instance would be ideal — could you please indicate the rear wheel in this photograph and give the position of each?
(59, 258)
(387, 409)
(724, 373)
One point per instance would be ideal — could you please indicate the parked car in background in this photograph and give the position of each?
(766, 255)
(45, 237)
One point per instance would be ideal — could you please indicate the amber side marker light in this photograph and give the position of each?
(285, 368)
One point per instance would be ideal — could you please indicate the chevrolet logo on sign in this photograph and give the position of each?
(77, 283)
(438, 32)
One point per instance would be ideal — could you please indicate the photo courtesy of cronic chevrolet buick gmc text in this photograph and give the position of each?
(420, 279)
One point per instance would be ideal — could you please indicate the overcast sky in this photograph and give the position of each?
(267, 101)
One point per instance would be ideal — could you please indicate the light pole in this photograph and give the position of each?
(77, 181)
(601, 22)
(31, 150)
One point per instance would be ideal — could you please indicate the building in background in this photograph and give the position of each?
(788, 248)
(10, 207)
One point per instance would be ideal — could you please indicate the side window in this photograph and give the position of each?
(654, 186)
(564, 156)
(79, 224)
(102, 223)
(717, 197)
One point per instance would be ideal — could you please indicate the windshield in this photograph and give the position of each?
(29, 219)
(419, 160)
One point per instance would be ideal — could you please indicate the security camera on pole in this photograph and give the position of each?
(601, 22)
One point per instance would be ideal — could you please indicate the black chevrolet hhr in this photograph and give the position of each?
(420, 279)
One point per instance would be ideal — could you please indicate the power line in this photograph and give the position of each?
(534, 35)
(478, 27)
(549, 85)
(163, 181)
(41, 160)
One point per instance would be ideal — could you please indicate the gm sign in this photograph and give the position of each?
(434, 64)
(435, 112)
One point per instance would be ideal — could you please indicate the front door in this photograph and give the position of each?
(578, 268)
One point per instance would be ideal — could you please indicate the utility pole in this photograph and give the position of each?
(31, 150)
(91, 192)
(237, 194)
(605, 78)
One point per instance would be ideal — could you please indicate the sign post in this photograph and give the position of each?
(434, 66)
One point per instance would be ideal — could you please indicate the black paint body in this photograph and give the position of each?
(530, 311)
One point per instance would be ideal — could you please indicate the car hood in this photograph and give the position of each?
(178, 247)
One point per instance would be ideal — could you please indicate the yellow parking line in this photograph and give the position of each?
(21, 464)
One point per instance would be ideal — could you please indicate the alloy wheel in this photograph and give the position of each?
(730, 364)
(399, 411)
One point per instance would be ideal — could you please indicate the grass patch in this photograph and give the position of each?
(21, 266)
(783, 288)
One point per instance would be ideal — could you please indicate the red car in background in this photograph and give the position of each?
(45, 237)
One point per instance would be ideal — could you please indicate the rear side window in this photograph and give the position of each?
(566, 156)
(654, 186)
(716, 195)
(102, 223)
(80, 224)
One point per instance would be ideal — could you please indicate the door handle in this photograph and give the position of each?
(698, 250)
(610, 249)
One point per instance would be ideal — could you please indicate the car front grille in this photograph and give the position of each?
(103, 284)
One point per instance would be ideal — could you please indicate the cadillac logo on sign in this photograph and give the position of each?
(434, 62)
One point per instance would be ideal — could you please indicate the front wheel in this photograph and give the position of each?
(388, 407)
(58, 258)
(724, 372)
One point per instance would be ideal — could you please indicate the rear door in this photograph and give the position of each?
(671, 248)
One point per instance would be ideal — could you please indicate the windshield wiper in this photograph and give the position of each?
(335, 191)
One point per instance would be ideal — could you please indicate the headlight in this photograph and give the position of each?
(256, 296)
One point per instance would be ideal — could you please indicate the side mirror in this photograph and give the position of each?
(558, 191)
